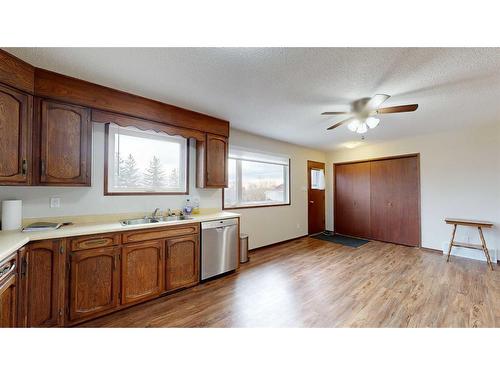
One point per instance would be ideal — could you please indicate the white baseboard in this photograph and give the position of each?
(469, 253)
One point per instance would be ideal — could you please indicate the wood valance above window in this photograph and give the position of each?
(123, 120)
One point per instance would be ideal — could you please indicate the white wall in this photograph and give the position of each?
(267, 225)
(91, 200)
(460, 177)
(264, 225)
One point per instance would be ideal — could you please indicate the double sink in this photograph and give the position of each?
(152, 220)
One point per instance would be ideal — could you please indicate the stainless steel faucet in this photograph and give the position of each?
(155, 212)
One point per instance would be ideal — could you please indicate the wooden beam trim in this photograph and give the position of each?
(121, 120)
(16, 72)
(57, 86)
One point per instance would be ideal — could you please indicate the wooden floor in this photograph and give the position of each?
(312, 283)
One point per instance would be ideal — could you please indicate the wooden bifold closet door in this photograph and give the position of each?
(352, 199)
(379, 199)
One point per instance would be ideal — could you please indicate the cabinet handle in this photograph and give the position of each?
(7, 269)
(101, 241)
(115, 261)
(24, 167)
(24, 268)
(42, 168)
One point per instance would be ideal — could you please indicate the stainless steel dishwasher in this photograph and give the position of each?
(219, 247)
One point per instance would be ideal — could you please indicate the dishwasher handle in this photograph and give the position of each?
(218, 224)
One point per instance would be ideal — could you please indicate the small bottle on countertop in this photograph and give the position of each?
(188, 208)
(196, 206)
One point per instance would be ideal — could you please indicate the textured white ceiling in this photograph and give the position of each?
(280, 92)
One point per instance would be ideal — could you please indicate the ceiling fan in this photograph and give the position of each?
(363, 111)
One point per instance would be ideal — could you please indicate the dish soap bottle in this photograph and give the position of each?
(196, 206)
(188, 208)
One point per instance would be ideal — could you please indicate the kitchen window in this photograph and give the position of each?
(256, 179)
(144, 162)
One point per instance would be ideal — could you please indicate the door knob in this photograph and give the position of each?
(311, 201)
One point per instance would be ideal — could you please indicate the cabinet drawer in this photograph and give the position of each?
(8, 267)
(95, 241)
(159, 233)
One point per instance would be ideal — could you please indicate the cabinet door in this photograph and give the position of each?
(142, 271)
(183, 259)
(94, 282)
(15, 129)
(8, 302)
(216, 161)
(352, 199)
(395, 213)
(44, 284)
(65, 133)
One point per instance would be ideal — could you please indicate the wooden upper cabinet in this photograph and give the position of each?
(94, 282)
(216, 161)
(64, 137)
(183, 261)
(212, 162)
(43, 279)
(142, 271)
(15, 136)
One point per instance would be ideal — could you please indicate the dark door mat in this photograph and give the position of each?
(342, 240)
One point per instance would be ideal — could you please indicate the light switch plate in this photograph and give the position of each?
(55, 202)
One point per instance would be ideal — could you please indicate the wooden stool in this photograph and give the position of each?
(470, 223)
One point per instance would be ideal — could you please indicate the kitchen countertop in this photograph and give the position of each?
(11, 241)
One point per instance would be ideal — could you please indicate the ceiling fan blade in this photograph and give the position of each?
(336, 113)
(398, 108)
(340, 123)
(376, 101)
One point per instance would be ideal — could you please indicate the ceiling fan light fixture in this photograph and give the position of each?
(372, 122)
(362, 128)
(354, 124)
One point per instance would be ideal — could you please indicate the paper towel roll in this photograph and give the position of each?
(12, 214)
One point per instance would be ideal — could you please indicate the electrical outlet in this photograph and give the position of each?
(55, 202)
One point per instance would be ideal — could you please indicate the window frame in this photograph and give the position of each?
(125, 193)
(289, 190)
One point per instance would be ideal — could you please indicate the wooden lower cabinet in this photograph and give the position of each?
(8, 302)
(42, 284)
(142, 271)
(94, 282)
(52, 287)
(182, 262)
